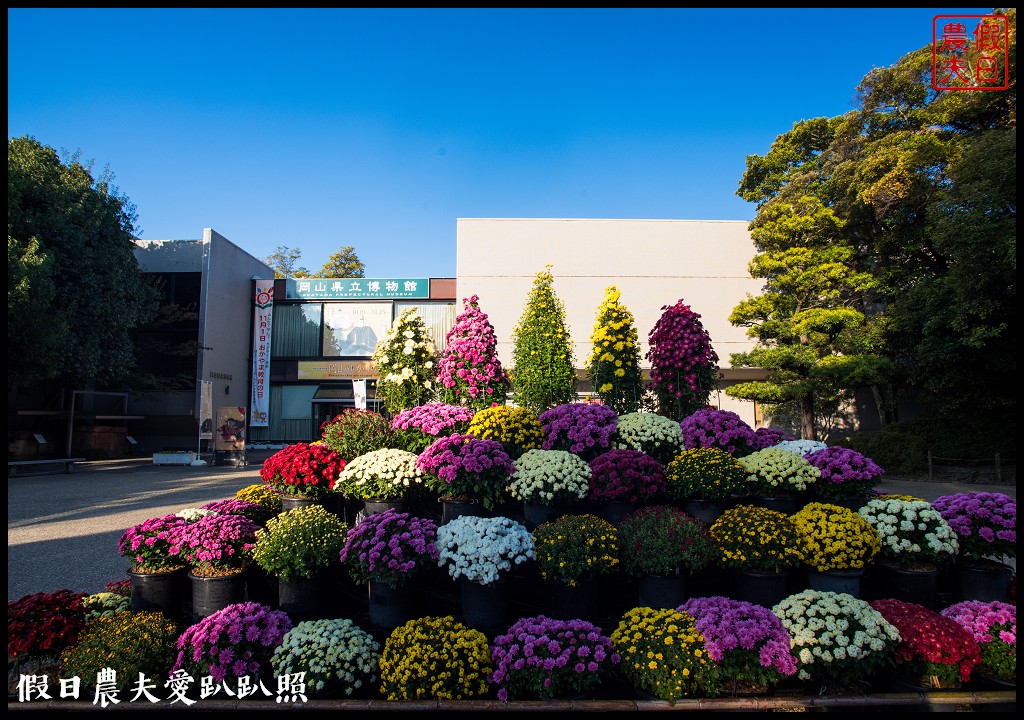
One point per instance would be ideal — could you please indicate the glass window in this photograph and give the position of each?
(439, 317)
(296, 331)
(295, 401)
(353, 329)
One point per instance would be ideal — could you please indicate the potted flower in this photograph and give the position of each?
(584, 429)
(722, 429)
(336, 655)
(663, 654)
(303, 470)
(656, 435)
(765, 437)
(546, 478)
(435, 658)
(749, 645)
(463, 467)
(129, 643)
(846, 475)
(482, 551)
(661, 546)
(840, 641)
(405, 363)
(759, 546)
(835, 544)
(297, 547)
(157, 574)
(916, 541)
(216, 548)
(702, 479)
(383, 550)
(516, 428)
(803, 448)
(261, 494)
(105, 604)
(986, 528)
(354, 432)
(256, 512)
(626, 476)
(387, 475)
(571, 551)
(542, 658)
(236, 641)
(994, 627)
(42, 625)
(934, 651)
(774, 473)
(415, 428)
(469, 372)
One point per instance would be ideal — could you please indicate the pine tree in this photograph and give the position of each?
(684, 366)
(469, 372)
(614, 367)
(544, 374)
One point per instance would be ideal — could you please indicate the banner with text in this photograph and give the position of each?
(205, 410)
(259, 415)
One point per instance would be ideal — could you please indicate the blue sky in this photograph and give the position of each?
(378, 129)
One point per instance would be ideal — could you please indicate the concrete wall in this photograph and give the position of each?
(653, 263)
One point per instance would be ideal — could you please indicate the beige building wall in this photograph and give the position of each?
(653, 263)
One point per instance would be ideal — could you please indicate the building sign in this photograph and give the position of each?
(336, 370)
(356, 288)
(262, 319)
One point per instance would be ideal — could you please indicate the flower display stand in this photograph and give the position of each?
(174, 458)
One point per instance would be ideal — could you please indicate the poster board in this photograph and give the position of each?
(206, 410)
(230, 435)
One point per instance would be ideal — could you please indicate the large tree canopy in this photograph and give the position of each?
(887, 241)
(75, 292)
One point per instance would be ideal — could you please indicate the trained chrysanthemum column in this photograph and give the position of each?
(405, 363)
(468, 371)
(684, 366)
(614, 366)
(544, 374)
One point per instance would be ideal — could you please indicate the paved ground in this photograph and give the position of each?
(62, 529)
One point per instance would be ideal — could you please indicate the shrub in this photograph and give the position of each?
(215, 544)
(356, 432)
(834, 538)
(336, 655)
(150, 544)
(299, 543)
(911, 531)
(543, 373)
(44, 624)
(684, 366)
(614, 365)
(756, 538)
(387, 474)
(627, 475)
(994, 627)
(721, 429)
(547, 477)
(517, 429)
(779, 472)
(388, 546)
(661, 540)
(303, 469)
(985, 523)
(844, 472)
(705, 474)
(481, 549)
(574, 547)
(458, 466)
(585, 429)
(657, 435)
(469, 372)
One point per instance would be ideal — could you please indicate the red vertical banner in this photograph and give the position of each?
(263, 314)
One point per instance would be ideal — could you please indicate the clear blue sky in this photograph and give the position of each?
(378, 129)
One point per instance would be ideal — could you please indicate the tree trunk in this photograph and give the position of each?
(880, 404)
(807, 418)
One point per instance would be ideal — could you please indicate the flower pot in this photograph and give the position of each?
(210, 594)
(571, 602)
(760, 588)
(389, 607)
(293, 502)
(909, 585)
(840, 581)
(372, 507)
(535, 514)
(451, 509)
(165, 592)
(614, 511)
(303, 598)
(707, 511)
(261, 586)
(986, 583)
(662, 591)
(782, 503)
(484, 607)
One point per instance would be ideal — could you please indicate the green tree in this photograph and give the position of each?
(544, 374)
(283, 261)
(887, 239)
(76, 293)
(343, 264)
(614, 367)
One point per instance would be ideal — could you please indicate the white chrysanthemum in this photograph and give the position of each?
(482, 549)
(546, 476)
